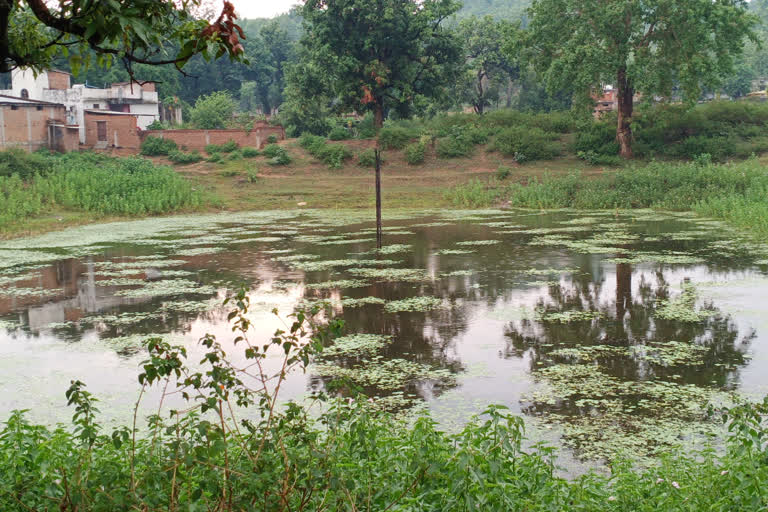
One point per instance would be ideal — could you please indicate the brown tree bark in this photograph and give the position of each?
(625, 96)
(378, 114)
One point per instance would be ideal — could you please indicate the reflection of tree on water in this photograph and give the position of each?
(425, 338)
(615, 370)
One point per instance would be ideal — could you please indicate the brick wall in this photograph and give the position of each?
(122, 132)
(58, 80)
(26, 126)
(198, 139)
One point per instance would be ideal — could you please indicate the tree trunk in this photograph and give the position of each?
(378, 115)
(479, 104)
(625, 96)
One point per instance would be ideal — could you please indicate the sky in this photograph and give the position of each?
(262, 8)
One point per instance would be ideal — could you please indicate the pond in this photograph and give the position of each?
(609, 331)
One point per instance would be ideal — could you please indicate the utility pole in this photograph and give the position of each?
(379, 236)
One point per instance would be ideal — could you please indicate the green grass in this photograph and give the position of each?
(734, 192)
(98, 184)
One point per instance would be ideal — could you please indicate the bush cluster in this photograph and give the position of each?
(249, 152)
(395, 137)
(332, 155)
(156, 146)
(277, 154)
(227, 147)
(527, 143)
(339, 133)
(415, 153)
(367, 158)
(180, 157)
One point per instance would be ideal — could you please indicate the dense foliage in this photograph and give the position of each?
(237, 448)
(91, 183)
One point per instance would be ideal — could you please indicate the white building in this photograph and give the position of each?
(54, 86)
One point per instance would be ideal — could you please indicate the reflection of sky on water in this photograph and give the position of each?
(488, 336)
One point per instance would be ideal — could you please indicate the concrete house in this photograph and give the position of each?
(55, 86)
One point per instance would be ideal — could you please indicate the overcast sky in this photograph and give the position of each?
(262, 8)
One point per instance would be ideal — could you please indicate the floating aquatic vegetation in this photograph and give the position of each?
(564, 317)
(168, 287)
(140, 264)
(682, 308)
(347, 241)
(454, 251)
(8, 325)
(264, 239)
(671, 353)
(478, 242)
(384, 373)
(279, 251)
(314, 266)
(121, 281)
(6, 280)
(356, 345)
(394, 249)
(392, 274)
(199, 251)
(425, 303)
(548, 271)
(15, 257)
(588, 353)
(127, 318)
(354, 303)
(190, 306)
(341, 283)
(12, 291)
(297, 257)
(583, 220)
(459, 273)
(431, 224)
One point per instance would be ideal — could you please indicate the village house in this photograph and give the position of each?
(140, 100)
(31, 125)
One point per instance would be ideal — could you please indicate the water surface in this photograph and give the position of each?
(609, 331)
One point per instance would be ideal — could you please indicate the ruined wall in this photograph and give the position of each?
(198, 139)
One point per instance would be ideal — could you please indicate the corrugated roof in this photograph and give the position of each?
(14, 100)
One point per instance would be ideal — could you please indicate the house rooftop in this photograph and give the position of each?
(14, 100)
(110, 113)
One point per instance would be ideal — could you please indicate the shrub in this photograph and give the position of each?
(272, 150)
(415, 153)
(311, 142)
(394, 137)
(235, 155)
(334, 155)
(365, 128)
(24, 165)
(272, 139)
(526, 144)
(227, 147)
(213, 111)
(179, 157)
(454, 147)
(214, 158)
(503, 172)
(156, 146)
(599, 159)
(339, 133)
(248, 152)
(367, 158)
(252, 175)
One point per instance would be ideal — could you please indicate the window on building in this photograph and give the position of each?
(101, 131)
(95, 105)
(24, 93)
(39, 107)
(14, 107)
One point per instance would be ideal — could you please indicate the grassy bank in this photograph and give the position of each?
(40, 189)
(736, 193)
(351, 457)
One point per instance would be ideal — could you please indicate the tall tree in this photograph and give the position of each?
(641, 46)
(380, 54)
(34, 32)
(488, 65)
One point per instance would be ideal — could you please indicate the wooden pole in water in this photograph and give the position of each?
(379, 237)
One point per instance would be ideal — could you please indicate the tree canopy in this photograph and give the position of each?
(639, 46)
(381, 54)
(153, 32)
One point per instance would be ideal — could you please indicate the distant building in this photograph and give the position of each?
(606, 101)
(124, 97)
(31, 125)
(112, 130)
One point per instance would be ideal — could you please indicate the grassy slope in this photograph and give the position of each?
(307, 180)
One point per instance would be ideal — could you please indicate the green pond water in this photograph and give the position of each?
(609, 332)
